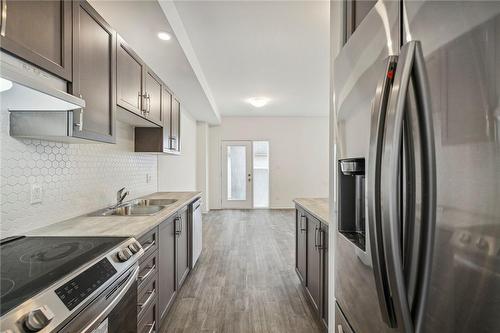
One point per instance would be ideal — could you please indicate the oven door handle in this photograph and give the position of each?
(129, 281)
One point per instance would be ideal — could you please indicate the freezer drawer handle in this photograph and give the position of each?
(411, 68)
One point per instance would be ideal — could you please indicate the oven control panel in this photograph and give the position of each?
(78, 289)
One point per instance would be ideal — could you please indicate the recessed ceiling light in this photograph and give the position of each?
(258, 102)
(164, 35)
(5, 84)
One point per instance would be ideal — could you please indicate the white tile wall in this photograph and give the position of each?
(76, 178)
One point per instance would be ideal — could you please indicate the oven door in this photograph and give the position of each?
(113, 311)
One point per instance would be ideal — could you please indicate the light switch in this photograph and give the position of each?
(36, 193)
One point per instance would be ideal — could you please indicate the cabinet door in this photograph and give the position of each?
(175, 130)
(313, 261)
(153, 102)
(166, 262)
(324, 278)
(129, 79)
(39, 32)
(182, 247)
(94, 56)
(167, 112)
(301, 245)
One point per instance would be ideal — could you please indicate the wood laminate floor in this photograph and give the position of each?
(245, 279)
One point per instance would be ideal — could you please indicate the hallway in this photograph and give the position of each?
(245, 279)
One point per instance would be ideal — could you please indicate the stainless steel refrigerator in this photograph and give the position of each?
(417, 108)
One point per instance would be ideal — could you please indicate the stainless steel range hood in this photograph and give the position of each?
(24, 87)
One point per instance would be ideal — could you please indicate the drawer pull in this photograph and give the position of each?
(144, 305)
(148, 273)
(149, 245)
(151, 327)
(340, 329)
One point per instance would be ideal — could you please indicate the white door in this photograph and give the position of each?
(237, 189)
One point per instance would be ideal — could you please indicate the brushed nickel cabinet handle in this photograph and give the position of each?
(4, 17)
(151, 327)
(148, 300)
(340, 329)
(148, 273)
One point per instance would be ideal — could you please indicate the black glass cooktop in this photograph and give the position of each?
(30, 264)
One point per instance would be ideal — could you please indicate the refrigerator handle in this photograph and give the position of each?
(411, 65)
(429, 197)
(379, 107)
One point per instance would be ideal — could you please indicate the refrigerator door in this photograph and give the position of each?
(461, 48)
(359, 69)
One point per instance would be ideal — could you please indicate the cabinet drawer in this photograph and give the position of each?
(147, 269)
(149, 321)
(149, 242)
(147, 295)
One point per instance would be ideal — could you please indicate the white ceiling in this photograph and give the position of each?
(224, 52)
(276, 49)
(139, 22)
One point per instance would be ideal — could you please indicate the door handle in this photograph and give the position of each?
(148, 273)
(340, 329)
(316, 237)
(379, 107)
(4, 18)
(302, 222)
(411, 65)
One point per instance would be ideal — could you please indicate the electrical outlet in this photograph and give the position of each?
(36, 193)
(148, 178)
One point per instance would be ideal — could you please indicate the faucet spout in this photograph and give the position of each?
(120, 195)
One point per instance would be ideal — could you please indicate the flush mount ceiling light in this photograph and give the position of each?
(164, 35)
(258, 102)
(5, 84)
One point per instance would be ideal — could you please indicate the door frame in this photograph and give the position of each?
(237, 204)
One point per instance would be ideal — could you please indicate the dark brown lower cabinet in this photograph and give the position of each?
(182, 232)
(301, 240)
(166, 270)
(312, 247)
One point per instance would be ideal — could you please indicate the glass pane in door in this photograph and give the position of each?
(236, 173)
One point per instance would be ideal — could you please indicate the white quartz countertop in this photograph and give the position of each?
(318, 207)
(123, 226)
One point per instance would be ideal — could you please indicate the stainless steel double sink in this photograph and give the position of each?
(139, 207)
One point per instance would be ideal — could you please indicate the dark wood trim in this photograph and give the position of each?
(63, 70)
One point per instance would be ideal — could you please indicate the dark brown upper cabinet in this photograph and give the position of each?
(355, 12)
(39, 32)
(167, 138)
(139, 89)
(175, 126)
(129, 76)
(94, 74)
(153, 92)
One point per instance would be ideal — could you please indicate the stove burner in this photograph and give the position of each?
(6, 285)
(56, 252)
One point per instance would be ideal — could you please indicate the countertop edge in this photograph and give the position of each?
(311, 211)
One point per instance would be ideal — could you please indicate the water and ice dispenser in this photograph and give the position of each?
(351, 197)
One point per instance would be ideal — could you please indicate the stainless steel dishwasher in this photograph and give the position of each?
(197, 231)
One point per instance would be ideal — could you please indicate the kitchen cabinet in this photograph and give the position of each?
(129, 79)
(39, 32)
(301, 241)
(167, 251)
(313, 280)
(153, 92)
(175, 126)
(355, 12)
(312, 261)
(139, 89)
(182, 246)
(94, 74)
(167, 138)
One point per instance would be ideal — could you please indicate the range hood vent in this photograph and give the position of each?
(24, 87)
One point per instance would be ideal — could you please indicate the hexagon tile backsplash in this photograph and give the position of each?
(75, 178)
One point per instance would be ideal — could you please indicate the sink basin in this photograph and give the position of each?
(130, 210)
(154, 202)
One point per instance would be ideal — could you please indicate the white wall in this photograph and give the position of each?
(178, 172)
(202, 161)
(298, 155)
(76, 178)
